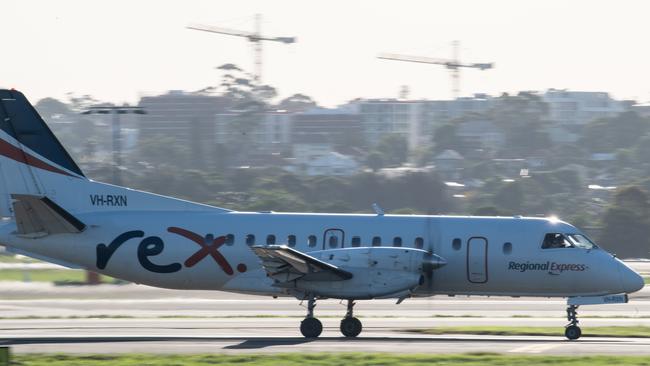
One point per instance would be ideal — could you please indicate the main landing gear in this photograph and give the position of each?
(572, 330)
(350, 326)
(311, 327)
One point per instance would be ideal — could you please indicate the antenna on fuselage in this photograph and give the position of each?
(378, 210)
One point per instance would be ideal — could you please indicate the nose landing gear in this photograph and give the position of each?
(572, 330)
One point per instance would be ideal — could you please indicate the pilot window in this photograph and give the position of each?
(250, 239)
(356, 241)
(291, 240)
(230, 239)
(581, 241)
(270, 239)
(419, 243)
(376, 241)
(312, 241)
(556, 240)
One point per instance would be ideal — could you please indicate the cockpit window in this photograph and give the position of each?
(581, 241)
(556, 240)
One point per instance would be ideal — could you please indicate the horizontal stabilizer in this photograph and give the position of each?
(38, 216)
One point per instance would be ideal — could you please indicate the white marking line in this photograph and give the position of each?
(534, 348)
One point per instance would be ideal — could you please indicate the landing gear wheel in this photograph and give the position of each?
(572, 332)
(351, 327)
(311, 327)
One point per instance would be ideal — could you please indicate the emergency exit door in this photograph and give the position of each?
(477, 265)
(333, 239)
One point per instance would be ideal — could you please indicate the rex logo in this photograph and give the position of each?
(152, 246)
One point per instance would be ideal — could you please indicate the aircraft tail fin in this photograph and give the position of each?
(37, 171)
(27, 147)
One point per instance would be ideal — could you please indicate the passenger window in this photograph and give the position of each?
(356, 241)
(334, 241)
(456, 244)
(419, 243)
(555, 241)
(270, 239)
(507, 248)
(230, 239)
(397, 241)
(312, 241)
(291, 240)
(376, 241)
(250, 239)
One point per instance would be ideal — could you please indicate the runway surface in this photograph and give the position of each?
(279, 335)
(43, 318)
(39, 317)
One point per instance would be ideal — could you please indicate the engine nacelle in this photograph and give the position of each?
(377, 272)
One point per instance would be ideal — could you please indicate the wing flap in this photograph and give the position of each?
(285, 264)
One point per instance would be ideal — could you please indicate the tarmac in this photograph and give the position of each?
(275, 335)
(40, 317)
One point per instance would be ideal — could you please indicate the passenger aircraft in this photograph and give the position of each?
(53, 212)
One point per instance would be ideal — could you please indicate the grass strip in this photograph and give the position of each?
(321, 359)
(60, 276)
(10, 258)
(614, 331)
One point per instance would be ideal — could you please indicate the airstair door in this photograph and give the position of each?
(477, 260)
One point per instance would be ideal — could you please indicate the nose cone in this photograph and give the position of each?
(630, 280)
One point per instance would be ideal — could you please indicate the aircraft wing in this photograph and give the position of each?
(285, 264)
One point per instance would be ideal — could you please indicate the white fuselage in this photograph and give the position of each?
(485, 256)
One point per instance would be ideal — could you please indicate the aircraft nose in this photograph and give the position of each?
(630, 280)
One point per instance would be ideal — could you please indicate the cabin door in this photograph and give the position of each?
(333, 239)
(477, 261)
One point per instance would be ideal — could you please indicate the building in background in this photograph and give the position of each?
(333, 163)
(579, 108)
(319, 132)
(187, 118)
(480, 137)
(382, 117)
(435, 113)
(269, 131)
(204, 124)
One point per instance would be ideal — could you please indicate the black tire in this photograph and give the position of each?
(351, 327)
(572, 332)
(311, 327)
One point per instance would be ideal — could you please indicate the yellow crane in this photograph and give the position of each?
(255, 38)
(454, 65)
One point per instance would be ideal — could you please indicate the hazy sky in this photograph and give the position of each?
(118, 50)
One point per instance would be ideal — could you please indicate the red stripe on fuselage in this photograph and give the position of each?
(21, 156)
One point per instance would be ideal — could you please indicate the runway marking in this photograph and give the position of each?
(534, 348)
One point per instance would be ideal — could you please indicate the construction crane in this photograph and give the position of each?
(255, 38)
(454, 65)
